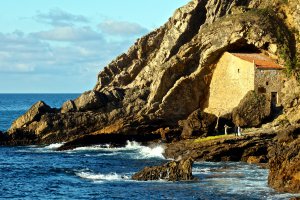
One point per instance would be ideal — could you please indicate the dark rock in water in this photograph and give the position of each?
(252, 110)
(284, 161)
(90, 100)
(295, 198)
(113, 139)
(172, 171)
(32, 115)
(198, 124)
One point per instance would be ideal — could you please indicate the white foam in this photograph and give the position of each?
(92, 148)
(155, 152)
(198, 170)
(102, 177)
(53, 146)
(138, 151)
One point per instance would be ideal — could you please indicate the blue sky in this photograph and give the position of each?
(59, 46)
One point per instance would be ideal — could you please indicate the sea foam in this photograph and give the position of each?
(134, 149)
(102, 177)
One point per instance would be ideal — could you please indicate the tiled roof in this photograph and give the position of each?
(261, 61)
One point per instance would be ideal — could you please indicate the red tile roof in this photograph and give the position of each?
(261, 61)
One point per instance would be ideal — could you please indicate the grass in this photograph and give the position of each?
(199, 140)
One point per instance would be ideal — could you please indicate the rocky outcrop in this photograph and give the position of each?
(198, 124)
(172, 171)
(284, 162)
(90, 100)
(165, 75)
(252, 148)
(32, 115)
(252, 110)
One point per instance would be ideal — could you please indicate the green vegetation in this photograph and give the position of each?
(199, 140)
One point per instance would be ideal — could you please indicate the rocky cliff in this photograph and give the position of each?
(165, 75)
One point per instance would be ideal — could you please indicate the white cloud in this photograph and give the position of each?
(58, 17)
(69, 33)
(121, 28)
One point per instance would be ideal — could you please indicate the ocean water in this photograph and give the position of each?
(102, 172)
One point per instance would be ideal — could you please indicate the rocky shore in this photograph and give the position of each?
(159, 89)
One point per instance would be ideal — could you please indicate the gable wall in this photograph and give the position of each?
(231, 80)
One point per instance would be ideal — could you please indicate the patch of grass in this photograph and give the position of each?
(199, 140)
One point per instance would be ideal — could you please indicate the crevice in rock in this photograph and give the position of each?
(198, 18)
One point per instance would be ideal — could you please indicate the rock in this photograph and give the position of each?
(284, 175)
(198, 124)
(90, 100)
(227, 148)
(32, 115)
(165, 76)
(172, 171)
(252, 110)
(68, 106)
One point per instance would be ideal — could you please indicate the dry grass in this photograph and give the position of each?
(199, 140)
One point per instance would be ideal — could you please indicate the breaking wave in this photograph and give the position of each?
(134, 149)
(102, 177)
(53, 146)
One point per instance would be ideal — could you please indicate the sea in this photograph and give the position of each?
(104, 172)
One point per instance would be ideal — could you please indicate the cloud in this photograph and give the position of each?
(58, 17)
(77, 52)
(121, 28)
(69, 33)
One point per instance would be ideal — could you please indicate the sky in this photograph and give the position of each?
(59, 46)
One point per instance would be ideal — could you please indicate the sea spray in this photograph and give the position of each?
(132, 148)
(102, 177)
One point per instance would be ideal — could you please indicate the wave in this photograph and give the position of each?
(102, 177)
(134, 149)
(54, 146)
(155, 152)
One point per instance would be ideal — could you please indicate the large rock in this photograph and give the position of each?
(284, 161)
(33, 114)
(198, 124)
(90, 100)
(291, 101)
(172, 171)
(68, 106)
(252, 110)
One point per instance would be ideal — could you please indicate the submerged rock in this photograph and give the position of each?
(172, 171)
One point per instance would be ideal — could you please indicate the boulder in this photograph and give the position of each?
(252, 110)
(284, 162)
(172, 171)
(33, 114)
(68, 106)
(90, 100)
(198, 124)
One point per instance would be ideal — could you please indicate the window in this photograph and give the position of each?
(267, 83)
(238, 70)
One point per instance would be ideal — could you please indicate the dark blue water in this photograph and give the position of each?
(98, 172)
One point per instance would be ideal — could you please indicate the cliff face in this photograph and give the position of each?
(165, 75)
